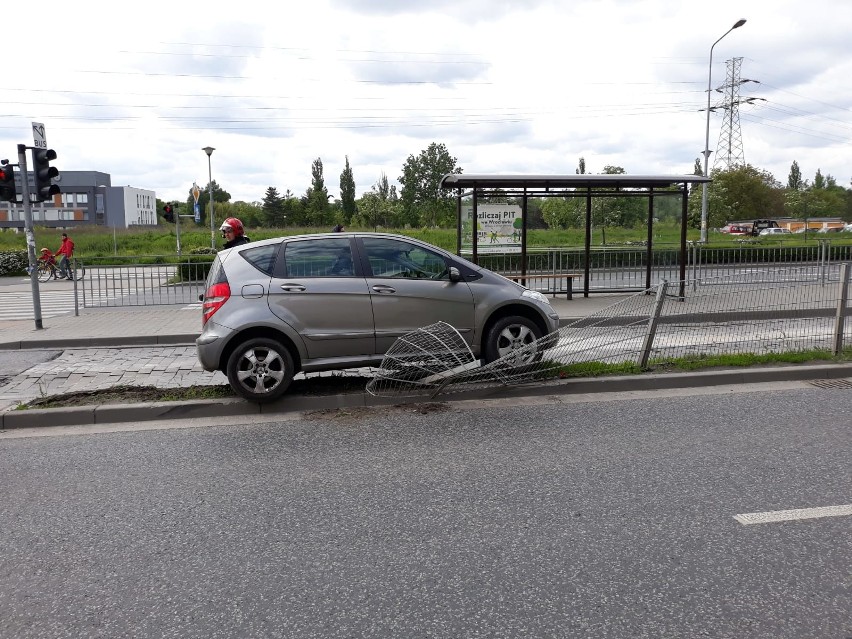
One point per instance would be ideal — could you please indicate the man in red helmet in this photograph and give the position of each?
(233, 232)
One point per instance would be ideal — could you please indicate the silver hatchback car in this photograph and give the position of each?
(339, 300)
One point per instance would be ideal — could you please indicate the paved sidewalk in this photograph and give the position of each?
(177, 324)
(152, 346)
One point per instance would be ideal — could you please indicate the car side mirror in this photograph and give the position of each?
(455, 276)
(201, 297)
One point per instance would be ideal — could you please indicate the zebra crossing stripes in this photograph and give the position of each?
(18, 305)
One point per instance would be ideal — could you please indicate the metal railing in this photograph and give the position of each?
(163, 280)
(624, 269)
(105, 283)
(781, 312)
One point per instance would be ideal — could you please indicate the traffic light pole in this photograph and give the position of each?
(28, 231)
(177, 230)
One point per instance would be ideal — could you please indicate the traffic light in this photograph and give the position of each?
(44, 173)
(7, 184)
(168, 213)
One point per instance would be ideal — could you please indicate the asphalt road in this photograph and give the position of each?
(15, 362)
(600, 518)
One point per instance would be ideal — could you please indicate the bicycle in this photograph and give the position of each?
(47, 269)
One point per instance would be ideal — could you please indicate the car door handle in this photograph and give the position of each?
(383, 288)
(293, 288)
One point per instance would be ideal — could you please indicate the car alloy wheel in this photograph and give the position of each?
(260, 370)
(512, 334)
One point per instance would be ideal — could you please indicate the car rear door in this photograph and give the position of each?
(318, 289)
(410, 288)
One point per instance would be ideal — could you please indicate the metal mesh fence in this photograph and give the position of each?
(774, 311)
(139, 284)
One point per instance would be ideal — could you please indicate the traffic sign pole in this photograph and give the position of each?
(28, 231)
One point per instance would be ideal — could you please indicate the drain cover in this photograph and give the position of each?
(832, 383)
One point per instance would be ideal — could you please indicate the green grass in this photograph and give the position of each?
(748, 359)
(97, 241)
(744, 360)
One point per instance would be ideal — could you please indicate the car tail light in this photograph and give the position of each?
(215, 296)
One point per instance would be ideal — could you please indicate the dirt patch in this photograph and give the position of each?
(315, 386)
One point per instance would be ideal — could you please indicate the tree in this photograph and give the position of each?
(743, 192)
(567, 212)
(347, 192)
(249, 213)
(422, 200)
(316, 197)
(273, 208)
(581, 167)
(616, 211)
(794, 180)
(385, 190)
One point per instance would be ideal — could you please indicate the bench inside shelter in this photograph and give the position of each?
(547, 283)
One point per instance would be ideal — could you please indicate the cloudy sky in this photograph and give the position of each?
(521, 86)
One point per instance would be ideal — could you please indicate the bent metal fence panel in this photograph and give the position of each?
(784, 310)
(115, 285)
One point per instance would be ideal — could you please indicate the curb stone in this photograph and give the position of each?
(195, 409)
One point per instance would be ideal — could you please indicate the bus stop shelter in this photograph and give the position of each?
(585, 186)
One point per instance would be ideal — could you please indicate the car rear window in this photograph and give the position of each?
(261, 257)
(216, 274)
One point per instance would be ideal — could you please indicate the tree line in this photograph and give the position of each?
(738, 193)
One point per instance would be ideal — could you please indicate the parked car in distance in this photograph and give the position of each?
(736, 229)
(775, 231)
(831, 229)
(332, 301)
(758, 226)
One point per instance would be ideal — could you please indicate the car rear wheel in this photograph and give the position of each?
(512, 334)
(260, 370)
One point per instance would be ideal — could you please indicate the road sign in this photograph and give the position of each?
(39, 136)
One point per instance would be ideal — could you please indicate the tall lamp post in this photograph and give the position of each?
(737, 25)
(209, 151)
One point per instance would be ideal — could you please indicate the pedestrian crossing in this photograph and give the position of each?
(18, 305)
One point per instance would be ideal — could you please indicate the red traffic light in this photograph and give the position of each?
(8, 192)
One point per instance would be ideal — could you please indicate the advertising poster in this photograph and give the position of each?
(498, 228)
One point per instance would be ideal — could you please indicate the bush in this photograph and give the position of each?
(13, 263)
(195, 270)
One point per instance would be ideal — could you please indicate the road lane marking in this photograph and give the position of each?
(773, 516)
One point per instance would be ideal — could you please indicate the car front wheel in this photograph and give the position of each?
(509, 335)
(260, 370)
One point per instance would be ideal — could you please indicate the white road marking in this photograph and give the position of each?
(773, 516)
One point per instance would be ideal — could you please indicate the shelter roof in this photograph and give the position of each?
(584, 181)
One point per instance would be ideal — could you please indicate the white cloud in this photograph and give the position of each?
(509, 87)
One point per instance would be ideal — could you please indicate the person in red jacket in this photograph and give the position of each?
(66, 250)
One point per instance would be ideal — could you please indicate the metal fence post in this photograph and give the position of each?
(648, 343)
(823, 260)
(841, 309)
(694, 256)
(74, 266)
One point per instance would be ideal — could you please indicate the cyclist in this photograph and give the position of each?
(47, 258)
(66, 250)
(233, 232)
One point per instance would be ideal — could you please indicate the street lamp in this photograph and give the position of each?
(209, 151)
(737, 25)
